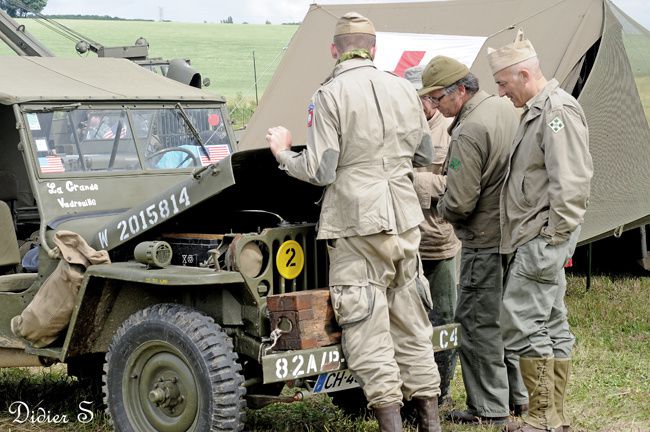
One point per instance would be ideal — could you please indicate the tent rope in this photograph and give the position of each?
(515, 24)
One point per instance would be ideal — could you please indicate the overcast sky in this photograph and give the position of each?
(252, 11)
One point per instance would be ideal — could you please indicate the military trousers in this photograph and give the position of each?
(378, 300)
(481, 349)
(441, 275)
(534, 315)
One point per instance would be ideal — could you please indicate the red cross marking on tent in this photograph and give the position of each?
(407, 60)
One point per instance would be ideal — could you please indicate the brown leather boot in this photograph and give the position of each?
(389, 418)
(518, 425)
(427, 411)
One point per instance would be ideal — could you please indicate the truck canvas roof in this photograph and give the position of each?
(40, 79)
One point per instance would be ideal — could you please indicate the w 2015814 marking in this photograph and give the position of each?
(150, 216)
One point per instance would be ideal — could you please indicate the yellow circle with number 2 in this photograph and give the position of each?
(290, 259)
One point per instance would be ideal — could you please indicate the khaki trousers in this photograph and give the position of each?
(378, 294)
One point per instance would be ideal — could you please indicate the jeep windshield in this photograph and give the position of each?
(92, 139)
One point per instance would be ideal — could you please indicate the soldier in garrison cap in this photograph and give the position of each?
(439, 245)
(481, 134)
(543, 202)
(366, 130)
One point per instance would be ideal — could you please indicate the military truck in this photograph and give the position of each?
(199, 236)
(23, 43)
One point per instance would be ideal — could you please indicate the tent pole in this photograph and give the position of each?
(589, 252)
(645, 261)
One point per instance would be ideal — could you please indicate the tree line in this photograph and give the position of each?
(14, 9)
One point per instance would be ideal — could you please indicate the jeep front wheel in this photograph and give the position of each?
(170, 368)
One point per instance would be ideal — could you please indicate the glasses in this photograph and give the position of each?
(435, 100)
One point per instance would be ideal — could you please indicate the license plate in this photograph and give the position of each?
(335, 381)
(324, 361)
(291, 365)
(446, 337)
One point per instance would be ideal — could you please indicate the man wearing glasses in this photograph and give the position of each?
(438, 245)
(481, 134)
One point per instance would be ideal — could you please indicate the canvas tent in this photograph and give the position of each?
(592, 48)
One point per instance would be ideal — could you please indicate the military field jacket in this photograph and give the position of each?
(547, 187)
(481, 136)
(366, 130)
(438, 238)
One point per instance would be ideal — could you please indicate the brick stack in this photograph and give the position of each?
(307, 316)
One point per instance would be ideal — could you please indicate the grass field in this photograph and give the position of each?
(608, 392)
(221, 52)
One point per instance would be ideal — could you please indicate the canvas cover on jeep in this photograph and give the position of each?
(33, 79)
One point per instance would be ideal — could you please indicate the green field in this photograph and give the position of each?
(221, 52)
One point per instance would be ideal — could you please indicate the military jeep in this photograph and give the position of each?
(198, 234)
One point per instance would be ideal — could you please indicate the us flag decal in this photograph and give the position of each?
(216, 152)
(51, 164)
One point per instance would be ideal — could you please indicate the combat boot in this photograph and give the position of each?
(519, 426)
(562, 371)
(518, 410)
(427, 412)
(389, 418)
(538, 376)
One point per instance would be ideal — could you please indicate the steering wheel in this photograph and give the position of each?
(190, 155)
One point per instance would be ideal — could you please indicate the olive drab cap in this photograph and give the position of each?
(353, 22)
(441, 72)
(519, 50)
(414, 76)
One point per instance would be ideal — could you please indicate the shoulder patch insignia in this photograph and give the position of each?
(556, 125)
(454, 164)
(310, 114)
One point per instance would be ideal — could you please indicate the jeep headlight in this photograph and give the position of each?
(250, 261)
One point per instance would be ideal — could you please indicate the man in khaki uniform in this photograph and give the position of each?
(366, 129)
(481, 134)
(543, 202)
(439, 245)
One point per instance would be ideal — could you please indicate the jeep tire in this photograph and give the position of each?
(171, 368)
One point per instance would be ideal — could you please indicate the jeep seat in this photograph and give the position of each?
(9, 253)
(9, 192)
(15, 283)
